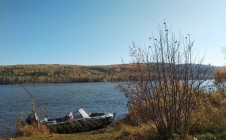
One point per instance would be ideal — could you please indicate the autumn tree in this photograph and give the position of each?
(220, 79)
(164, 82)
(220, 76)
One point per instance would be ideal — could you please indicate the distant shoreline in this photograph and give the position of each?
(19, 74)
(56, 73)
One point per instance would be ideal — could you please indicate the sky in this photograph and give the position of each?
(100, 32)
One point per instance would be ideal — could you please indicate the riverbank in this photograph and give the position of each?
(116, 130)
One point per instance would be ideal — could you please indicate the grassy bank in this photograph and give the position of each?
(115, 131)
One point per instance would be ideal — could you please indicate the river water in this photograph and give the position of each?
(58, 100)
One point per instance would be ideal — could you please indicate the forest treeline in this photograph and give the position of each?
(55, 73)
(58, 73)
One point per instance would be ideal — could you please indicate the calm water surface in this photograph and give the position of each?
(58, 100)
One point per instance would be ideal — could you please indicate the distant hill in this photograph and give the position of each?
(56, 73)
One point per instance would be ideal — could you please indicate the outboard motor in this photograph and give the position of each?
(32, 118)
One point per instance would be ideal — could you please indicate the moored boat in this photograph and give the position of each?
(80, 121)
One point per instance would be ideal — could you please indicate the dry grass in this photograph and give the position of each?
(35, 129)
(24, 129)
(115, 131)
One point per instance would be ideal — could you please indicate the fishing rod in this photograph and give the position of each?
(35, 100)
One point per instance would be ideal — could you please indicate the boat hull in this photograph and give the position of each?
(80, 125)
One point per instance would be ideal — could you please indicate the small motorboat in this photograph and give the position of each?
(80, 121)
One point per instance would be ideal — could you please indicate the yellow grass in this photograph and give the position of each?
(113, 132)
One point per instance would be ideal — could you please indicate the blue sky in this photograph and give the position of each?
(99, 32)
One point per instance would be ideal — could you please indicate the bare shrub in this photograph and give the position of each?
(164, 82)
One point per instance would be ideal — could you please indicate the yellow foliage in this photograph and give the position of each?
(210, 115)
(220, 76)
